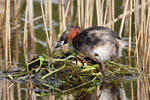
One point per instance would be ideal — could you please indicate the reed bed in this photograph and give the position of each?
(137, 13)
(84, 13)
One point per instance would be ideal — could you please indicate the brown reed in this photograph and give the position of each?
(48, 18)
(46, 30)
(132, 90)
(7, 36)
(2, 2)
(31, 44)
(123, 19)
(99, 12)
(50, 22)
(139, 32)
(130, 30)
(25, 38)
(51, 97)
(136, 11)
(17, 6)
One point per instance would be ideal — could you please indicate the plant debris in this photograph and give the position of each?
(63, 74)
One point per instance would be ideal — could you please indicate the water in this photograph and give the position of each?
(126, 87)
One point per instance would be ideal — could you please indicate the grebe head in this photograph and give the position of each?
(68, 35)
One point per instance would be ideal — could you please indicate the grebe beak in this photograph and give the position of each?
(60, 43)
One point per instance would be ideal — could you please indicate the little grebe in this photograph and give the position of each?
(98, 43)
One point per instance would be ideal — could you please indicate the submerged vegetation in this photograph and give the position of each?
(28, 28)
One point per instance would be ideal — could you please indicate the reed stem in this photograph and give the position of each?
(123, 19)
(7, 36)
(46, 30)
(25, 37)
(130, 29)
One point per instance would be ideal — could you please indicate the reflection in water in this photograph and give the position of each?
(10, 90)
(109, 90)
(113, 93)
(6, 90)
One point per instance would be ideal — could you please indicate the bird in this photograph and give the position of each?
(99, 43)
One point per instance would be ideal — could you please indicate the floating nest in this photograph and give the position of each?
(68, 72)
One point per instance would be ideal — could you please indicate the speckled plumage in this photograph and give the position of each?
(98, 43)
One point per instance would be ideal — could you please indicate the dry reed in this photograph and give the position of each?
(130, 30)
(123, 19)
(31, 28)
(99, 12)
(46, 30)
(17, 6)
(132, 90)
(2, 2)
(48, 18)
(136, 11)
(51, 97)
(50, 21)
(25, 39)
(7, 36)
